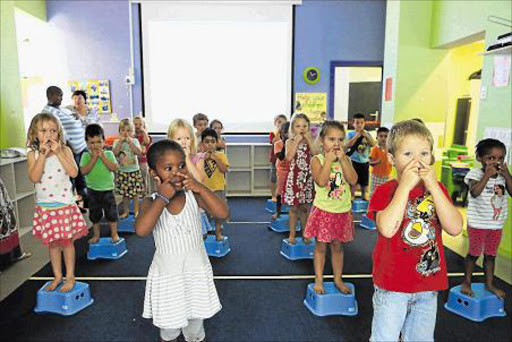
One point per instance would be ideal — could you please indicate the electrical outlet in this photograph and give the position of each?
(483, 92)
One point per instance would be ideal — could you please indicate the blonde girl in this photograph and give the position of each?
(57, 219)
(129, 182)
(183, 133)
(298, 190)
(330, 221)
(145, 140)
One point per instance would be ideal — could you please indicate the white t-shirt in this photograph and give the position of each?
(489, 210)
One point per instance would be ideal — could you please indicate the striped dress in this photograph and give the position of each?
(180, 283)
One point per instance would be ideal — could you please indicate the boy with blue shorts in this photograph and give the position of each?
(409, 265)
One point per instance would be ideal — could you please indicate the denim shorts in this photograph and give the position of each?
(102, 203)
(411, 314)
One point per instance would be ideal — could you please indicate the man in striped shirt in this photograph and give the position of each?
(74, 131)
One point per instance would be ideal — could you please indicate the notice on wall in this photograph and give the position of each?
(98, 93)
(505, 136)
(388, 90)
(314, 105)
(501, 72)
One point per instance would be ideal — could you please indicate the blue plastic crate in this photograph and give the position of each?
(126, 225)
(271, 207)
(483, 305)
(216, 248)
(106, 249)
(299, 250)
(359, 205)
(63, 303)
(367, 223)
(282, 224)
(333, 302)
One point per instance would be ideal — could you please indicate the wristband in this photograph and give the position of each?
(163, 198)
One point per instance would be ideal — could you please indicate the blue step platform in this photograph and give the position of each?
(216, 248)
(333, 302)
(367, 223)
(126, 225)
(282, 224)
(271, 207)
(63, 303)
(206, 224)
(297, 251)
(483, 305)
(359, 205)
(106, 249)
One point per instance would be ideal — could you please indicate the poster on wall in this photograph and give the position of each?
(505, 136)
(314, 105)
(98, 92)
(388, 93)
(501, 72)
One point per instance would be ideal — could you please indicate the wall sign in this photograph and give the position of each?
(311, 75)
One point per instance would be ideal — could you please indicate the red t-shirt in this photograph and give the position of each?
(144, 148)
(271, 156)
(413, 259)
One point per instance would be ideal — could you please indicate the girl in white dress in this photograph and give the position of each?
(180, 292)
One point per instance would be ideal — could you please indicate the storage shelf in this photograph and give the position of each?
(507, 50)
(22, 195)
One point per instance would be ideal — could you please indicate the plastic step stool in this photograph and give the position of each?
(271, 207)
(359, 205)
(63, 303)
(206, 224)
(106, 249)
(282, 224)
(483, 305)
(367, 223)
(216, 248)
(333, 302)
(299, 250)
(126, 225)
(130, 206)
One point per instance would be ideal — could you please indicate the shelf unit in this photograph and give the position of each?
(249, 169)
(14, 173)
(507, 50)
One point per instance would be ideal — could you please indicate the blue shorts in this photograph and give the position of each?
(412, 314)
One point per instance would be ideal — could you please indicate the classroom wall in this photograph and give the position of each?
(328, 31)
(12, 129)
(96, 37)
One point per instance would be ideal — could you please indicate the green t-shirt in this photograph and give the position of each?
(335, 197)
(100, 178)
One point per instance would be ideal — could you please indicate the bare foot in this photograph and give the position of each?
(291, 241)
(340, 285)
(275, 216)
(501, 294)
(123, 216)
(135, 214)
(274, 199)
(319, 287)
(465, 288)
(56, 282)
(94, 239)
(307, 241)
(115, 238)
(68, 284)
(219, 237)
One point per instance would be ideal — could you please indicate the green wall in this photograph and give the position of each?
(428, 77)
(12, 130)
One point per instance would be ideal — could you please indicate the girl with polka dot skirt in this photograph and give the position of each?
(330, 221)
(57, 219)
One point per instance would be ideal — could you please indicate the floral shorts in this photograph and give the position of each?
(130, 184)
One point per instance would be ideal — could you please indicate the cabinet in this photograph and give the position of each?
(14, 174)
(249, 169)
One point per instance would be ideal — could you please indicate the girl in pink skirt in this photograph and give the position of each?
(57, 219)
(330, 221)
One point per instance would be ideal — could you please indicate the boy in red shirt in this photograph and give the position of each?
(408, 261)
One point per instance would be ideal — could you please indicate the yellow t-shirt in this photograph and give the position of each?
(215, 180)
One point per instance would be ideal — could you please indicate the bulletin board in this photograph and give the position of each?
(98, 92)
(314, 105)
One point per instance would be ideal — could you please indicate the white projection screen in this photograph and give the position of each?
(229, 60)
